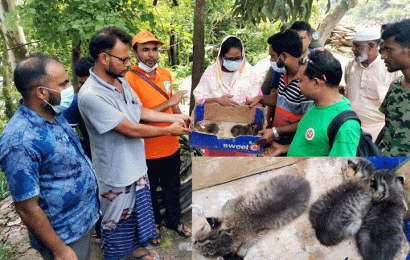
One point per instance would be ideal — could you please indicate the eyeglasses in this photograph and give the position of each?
(307, 60)
(233, 59)
(122, 59)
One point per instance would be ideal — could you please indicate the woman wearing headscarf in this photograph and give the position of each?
(230, 81)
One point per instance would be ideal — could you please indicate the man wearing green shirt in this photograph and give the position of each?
(319, 77)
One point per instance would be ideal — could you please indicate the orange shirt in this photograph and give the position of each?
(163, 146)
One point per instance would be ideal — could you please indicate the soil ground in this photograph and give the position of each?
(14, 242)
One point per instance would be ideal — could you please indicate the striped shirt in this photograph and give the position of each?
(291, 105)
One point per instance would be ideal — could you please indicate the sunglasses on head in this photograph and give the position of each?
(307, 60)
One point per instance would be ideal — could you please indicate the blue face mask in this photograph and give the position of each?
(276, 68)
(232, 65)
(67, 96)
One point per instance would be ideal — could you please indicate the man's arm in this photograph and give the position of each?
(37, 222)
(152, 116)
(127, 128)
(275, 150)
(267, 134)
(173, 101)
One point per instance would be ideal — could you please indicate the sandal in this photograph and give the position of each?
(147, 253)
(157, 237)
(183, 232)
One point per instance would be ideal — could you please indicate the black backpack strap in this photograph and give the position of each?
(337, 122)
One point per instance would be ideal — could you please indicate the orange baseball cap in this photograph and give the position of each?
(145, 36)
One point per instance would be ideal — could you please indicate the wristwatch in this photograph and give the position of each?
(275, 133)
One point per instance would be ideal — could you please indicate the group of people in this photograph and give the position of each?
(132, 123)
(130, 120)
(304, 90)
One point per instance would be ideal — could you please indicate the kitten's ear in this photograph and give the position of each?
(214, 222)
(351, 164)
(401, 179)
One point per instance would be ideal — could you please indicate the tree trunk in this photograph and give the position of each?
(332, 19)
(173, 56)
(8, 102)
(14, 35)
(198, 48)
(75, 56)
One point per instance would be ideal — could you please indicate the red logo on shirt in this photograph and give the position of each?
(310, 134)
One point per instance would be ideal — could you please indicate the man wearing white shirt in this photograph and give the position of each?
(367, 80)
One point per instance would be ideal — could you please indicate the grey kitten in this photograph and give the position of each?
(212, 128)
(247, 218)
(338, 214)
(380, 235)
(249, 129)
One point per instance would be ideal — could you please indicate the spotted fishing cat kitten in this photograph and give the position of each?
(338, 214)
(246, 218)
(381, 233)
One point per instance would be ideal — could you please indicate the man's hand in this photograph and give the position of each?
(179, 128)
(187, 120)
(251, 102)
(65, 253)
(226, 101)
(177, 97)
(275, 149)
(267, 137)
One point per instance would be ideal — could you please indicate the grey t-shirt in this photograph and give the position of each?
(118, 160)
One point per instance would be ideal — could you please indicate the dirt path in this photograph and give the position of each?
(14, 239)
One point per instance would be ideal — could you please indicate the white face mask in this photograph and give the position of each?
(67, 96)
(363, 57)
(146, 68)
(275, 67)
(232, 65)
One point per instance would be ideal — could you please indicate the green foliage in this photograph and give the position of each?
(256, 11)
(59, 22)
(378, 12)
(8, 95)
(7, 250)
(4, 191)
(345, 5)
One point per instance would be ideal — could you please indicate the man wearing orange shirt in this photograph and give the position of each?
(153, 87)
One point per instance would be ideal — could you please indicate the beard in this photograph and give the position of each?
(53, 101)
(113, 72)
(362, 57)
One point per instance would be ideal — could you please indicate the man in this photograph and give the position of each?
(367, 80)
(271, 86)
(305, 32)
(162, 153)
(290, 104)
(112, 113)
(72, 114)
(320, 75)
(395, 51)
(51, 180)
(82, 69)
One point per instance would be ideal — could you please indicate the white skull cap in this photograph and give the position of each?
(367, 34)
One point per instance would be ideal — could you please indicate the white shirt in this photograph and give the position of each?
(366, 89)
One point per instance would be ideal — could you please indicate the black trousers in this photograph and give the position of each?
(165, 172)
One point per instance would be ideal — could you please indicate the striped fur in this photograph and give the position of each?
(247, 218)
